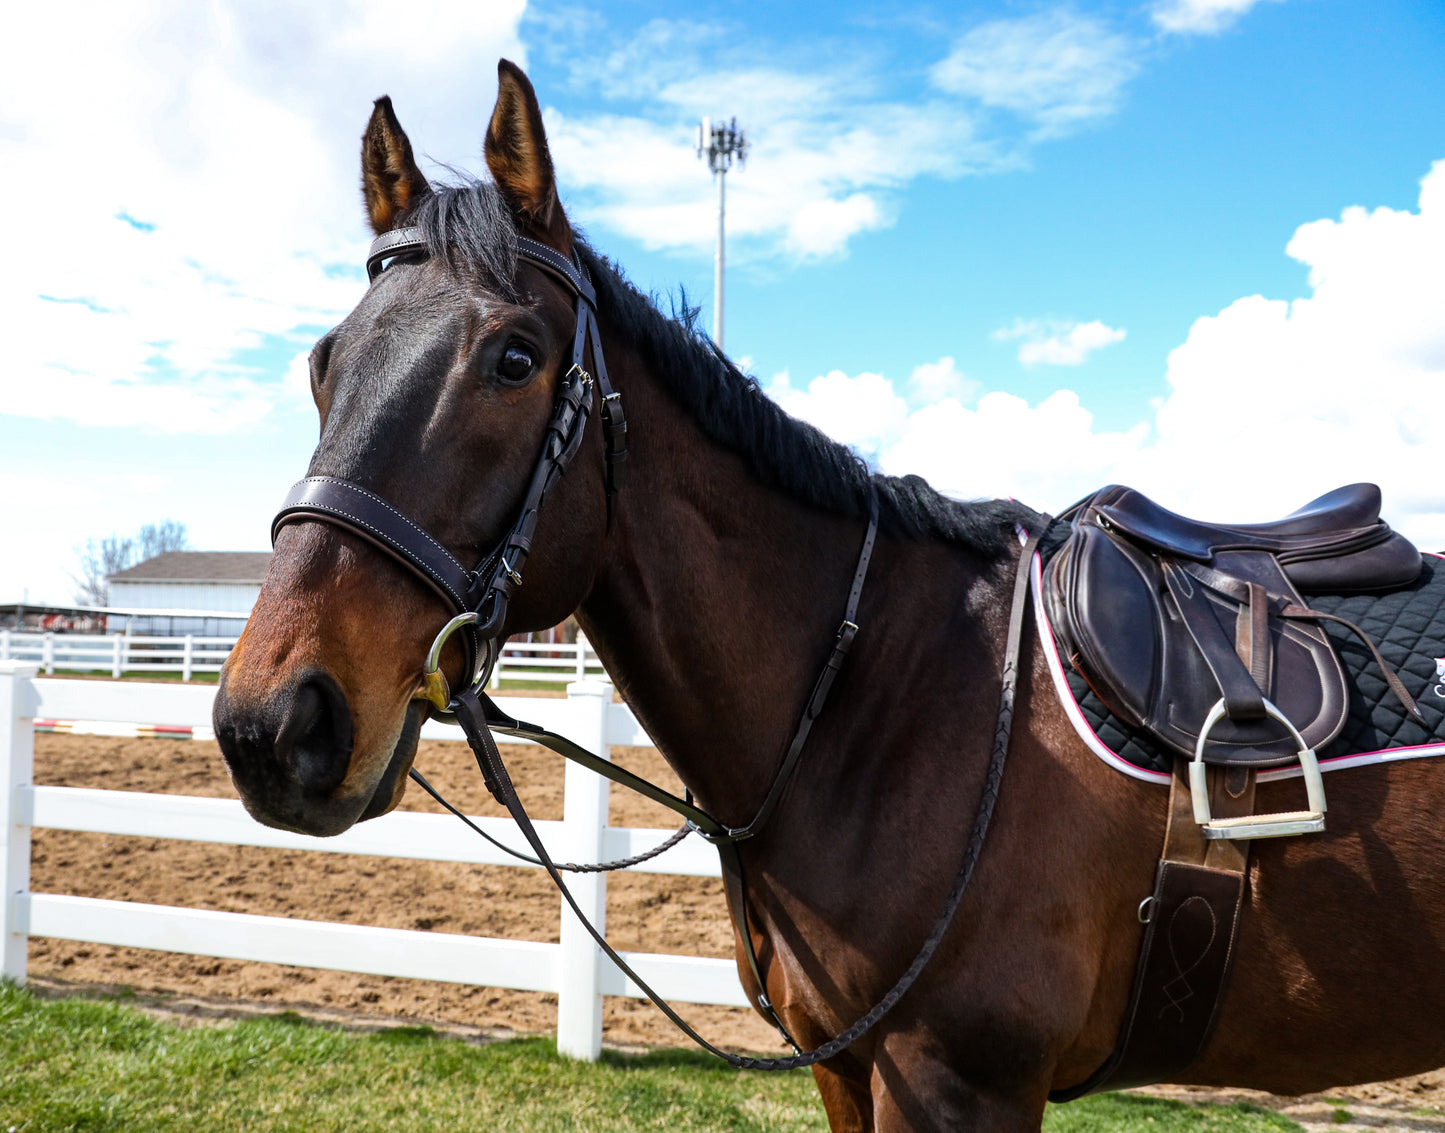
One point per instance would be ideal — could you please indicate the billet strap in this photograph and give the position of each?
(478, 716)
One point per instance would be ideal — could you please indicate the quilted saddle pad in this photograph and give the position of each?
(1409, 628)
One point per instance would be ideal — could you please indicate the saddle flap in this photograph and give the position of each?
(1161, 651)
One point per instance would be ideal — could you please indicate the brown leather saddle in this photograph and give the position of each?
(1199, 632)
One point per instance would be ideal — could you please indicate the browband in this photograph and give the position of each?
(410, 241)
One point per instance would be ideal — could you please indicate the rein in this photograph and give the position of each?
(480, 598)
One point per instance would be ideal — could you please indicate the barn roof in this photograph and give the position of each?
(199, 566)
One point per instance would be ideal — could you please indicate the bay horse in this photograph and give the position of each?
(710, 585)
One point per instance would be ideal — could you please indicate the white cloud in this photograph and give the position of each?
(1352, 374)
(1271, 403)
(864, 411)
(1056, 69)
(827, 163)
(1059, 344)
(935, 381)
(1198, 17)
(832, 140)
(197, 166)
(1045, 455)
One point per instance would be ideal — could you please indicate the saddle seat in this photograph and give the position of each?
(1335, 544)
(1198, 632)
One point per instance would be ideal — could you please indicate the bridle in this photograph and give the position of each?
(480, 597)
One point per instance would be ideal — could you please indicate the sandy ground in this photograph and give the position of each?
(645, 912)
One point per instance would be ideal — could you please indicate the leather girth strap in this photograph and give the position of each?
(1191, 923)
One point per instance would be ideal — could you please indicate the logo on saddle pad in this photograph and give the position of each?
(1439, 689)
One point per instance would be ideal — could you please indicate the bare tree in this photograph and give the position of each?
(158, 538)
(99, 559)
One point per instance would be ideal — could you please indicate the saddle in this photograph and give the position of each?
(1199, 633)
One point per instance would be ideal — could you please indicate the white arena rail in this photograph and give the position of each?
(556, 662)
(574, 969)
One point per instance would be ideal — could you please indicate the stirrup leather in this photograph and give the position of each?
(1282, 825)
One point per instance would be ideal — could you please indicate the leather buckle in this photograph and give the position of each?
(510, 572)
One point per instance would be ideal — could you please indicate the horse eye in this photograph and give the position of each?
(517, 362)
(320, 359)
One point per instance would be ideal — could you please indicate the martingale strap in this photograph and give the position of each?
(479, 716)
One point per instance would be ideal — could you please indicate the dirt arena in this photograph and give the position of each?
(645, 912)
(653, 913)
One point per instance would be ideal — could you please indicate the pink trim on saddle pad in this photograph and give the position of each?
(1119, 763)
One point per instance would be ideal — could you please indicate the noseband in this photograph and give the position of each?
(479, 597)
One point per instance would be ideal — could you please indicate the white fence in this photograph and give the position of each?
(574, 969)
(558, 662)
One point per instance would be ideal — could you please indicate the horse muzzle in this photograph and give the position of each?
(291, 755)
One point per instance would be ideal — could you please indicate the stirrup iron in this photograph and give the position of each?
(1282, 825)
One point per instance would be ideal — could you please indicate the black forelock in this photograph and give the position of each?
(471, 228)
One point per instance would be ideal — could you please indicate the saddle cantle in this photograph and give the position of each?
(1170, 619)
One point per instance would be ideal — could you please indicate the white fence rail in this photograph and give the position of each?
(559, 662)
(574, 969)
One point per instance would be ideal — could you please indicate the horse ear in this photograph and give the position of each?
(391, 183)
(517, 155)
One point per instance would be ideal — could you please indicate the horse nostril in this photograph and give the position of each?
(316, 735)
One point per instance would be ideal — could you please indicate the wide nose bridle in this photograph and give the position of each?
(478, 597)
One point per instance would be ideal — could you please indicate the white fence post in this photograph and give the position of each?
(17, 761)
(4, 645)
(584, 817)
(117, 665)
(188, 657)
(47, 654)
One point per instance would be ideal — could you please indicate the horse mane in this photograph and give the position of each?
(471, 228)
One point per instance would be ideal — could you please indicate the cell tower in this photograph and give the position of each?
(721, 142)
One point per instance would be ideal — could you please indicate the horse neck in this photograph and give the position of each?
(717, 604)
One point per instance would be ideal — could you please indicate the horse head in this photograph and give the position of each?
(435, 395)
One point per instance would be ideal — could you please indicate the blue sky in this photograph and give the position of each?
(1015, 247)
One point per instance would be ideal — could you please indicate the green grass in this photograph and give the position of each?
(81, 1065)
(1112, 1113)
(137, 675)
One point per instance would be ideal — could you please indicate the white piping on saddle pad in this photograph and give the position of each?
(1118, 763)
